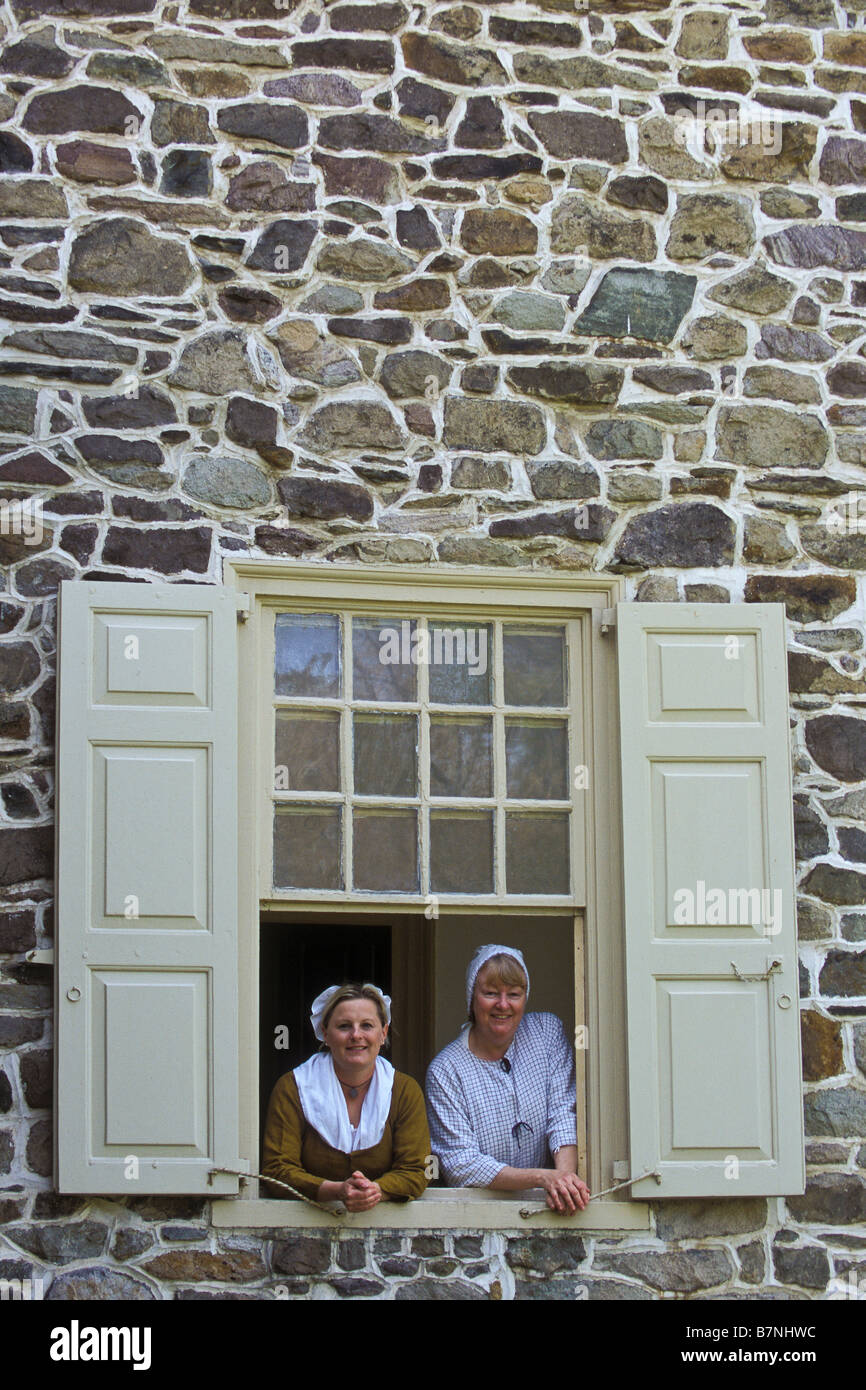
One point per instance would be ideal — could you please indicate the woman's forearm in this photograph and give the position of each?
(518, 1179)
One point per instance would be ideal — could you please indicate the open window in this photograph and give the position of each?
(259, 793)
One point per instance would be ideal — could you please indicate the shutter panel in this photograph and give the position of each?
(714, 1060)
(147, 896)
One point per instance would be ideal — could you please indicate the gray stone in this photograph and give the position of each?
(493, 426)
(440, 1291)
(580, 135)
(410, 375)
(18, 409)
(313, 356)
(648, 304)
(223, 481)
(623, 439)
(277, 124)
(368, 130)
(527, 312)
(755, 290)
(332, 299)
(122, 258)
(663, 149)
(61, 1244)
(363, 260)
(98, 1284)
(844, 972)
(545, 1254)
(766, 542)
(779, 385)
(792, 344)
(565, 277)
(706, 223)
(840, 1112)
(561, 479)
(283, 246)
(686, 535)
(757, 436)
(838, 745)
(301, 1255)
(575, 223)
(678, 1271)
(31, 198)
(316, 89)
(214, 363)
(352, 425)
(479, 473)
(714, 336)
(836, 1198)
(726, 1216)
(807, 1266)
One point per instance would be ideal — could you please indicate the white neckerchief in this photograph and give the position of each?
(324, 1104)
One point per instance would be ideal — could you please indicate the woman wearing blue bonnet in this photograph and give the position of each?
(501, 1097)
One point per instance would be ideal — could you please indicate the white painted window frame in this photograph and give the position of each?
(599, 941)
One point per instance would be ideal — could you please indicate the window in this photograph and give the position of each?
(173, 717)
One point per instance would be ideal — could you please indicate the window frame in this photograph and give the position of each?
(267, 583)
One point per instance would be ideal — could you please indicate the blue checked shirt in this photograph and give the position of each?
(484, 1118)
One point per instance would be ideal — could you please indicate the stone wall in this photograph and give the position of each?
(569, 286)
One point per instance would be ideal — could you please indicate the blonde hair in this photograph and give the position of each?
(346, 992)
(504, 970)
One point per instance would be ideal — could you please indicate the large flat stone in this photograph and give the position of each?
(648, 304)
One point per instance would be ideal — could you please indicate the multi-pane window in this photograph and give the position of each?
(420, 756)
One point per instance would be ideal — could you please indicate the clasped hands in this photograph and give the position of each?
(359, 1193)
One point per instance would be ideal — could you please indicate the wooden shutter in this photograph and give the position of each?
(714, 1059)
(147, 898)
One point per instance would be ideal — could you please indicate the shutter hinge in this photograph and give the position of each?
(608, 621)
(244, 607)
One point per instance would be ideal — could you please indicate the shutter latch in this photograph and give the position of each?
(608, 621)
(770, 970)
(244, 607)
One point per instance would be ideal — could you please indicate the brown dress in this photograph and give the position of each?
(297, 1154)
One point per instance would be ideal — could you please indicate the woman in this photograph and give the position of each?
(501, 1097)
(346, 1126)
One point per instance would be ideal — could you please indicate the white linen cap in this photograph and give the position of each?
(481, 957)
(321, 1002)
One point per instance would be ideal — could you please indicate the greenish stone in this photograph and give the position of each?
(649, 304)
(623, 439)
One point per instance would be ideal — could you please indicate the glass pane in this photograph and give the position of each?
(461, 851)
(308, 655)
(386, 754)
(461, 662)
(384, 660)
(461, 758)
(307, 751)
(386, 851)
(536, 759)
(534, 665)
(307, 843)
(536, 852)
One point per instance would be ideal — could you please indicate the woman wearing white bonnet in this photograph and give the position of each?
(501, 1097)
(346, 1126)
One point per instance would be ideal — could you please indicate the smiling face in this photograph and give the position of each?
(354, 1033)
(497, 1007)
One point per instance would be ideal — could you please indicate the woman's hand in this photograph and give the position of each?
(564, 1192)
(360, 1194)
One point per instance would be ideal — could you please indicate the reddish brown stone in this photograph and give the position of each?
(166, 552)
(498, 232)
(191, 1266)
(356, 55)
(88, 163)
(779, 46)
(264, 187)
(807, 598)
(416, 295)
(362, 177)
(99, 109)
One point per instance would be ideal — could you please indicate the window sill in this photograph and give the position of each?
(457, 1208)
